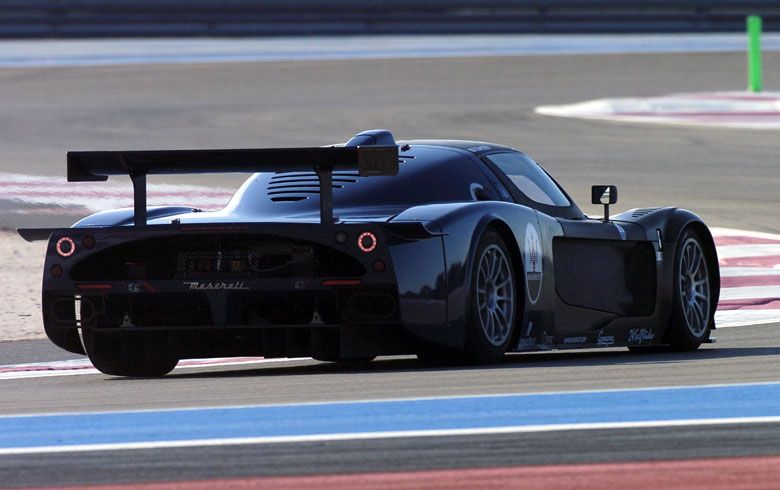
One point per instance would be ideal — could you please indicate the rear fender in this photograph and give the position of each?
(462, 225)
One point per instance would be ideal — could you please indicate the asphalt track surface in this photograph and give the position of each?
(730, 177)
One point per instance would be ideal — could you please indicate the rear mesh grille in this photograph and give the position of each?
(220, 256)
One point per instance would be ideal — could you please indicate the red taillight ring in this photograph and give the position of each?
(69, 243)
(367, 242)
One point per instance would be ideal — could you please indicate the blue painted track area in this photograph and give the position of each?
(416, 417)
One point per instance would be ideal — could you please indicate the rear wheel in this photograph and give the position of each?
(136, 355)
(493, 302)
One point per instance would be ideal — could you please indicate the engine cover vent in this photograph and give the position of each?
(297, 186)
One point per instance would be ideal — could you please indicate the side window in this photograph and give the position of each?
(530, 179)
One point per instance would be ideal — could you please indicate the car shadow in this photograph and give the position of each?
(526, 360)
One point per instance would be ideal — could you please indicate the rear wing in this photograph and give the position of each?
(92, 166)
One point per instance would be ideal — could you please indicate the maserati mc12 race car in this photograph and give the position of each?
(457, 251)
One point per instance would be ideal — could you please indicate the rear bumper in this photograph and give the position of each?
(280, 312)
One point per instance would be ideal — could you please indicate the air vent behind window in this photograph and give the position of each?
(297, 186)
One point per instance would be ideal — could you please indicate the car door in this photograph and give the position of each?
(602, 270)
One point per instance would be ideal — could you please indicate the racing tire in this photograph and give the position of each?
(693, 314)
(492, 302)
(693, 310)
(105, 351)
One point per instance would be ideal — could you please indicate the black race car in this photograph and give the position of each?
(457, 251)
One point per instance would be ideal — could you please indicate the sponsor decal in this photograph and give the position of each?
(605, 340)
(533, 263)
(127, 321)
(477, 149)
(575, 340)
(640, 335)
(134, 287)
(526, 340)
(230, 286)
(547, 340)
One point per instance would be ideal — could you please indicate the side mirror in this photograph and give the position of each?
(604, 194)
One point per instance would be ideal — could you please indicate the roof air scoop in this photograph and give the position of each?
(372, 137)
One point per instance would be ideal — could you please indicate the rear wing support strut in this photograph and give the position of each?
(96, 166)
(139, 199)
(325, 176)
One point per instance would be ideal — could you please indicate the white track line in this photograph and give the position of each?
(92, 52)
(718, 231)
(742, 318)
(387, 435)
(748, 271)
(749, 250)
(82, 367)
(750, 292)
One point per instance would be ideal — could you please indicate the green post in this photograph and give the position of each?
(754, 53)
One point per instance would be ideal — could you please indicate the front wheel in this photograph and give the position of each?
(137, 355)
(694, 309)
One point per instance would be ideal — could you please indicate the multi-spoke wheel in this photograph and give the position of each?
(493, 301)
(692, 318)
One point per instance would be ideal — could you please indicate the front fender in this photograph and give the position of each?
(671, 223)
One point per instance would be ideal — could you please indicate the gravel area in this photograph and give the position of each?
(20, 287)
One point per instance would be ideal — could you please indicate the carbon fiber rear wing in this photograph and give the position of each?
(92, 166)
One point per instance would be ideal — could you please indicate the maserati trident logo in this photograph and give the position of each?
(231, 286)
(533, 263)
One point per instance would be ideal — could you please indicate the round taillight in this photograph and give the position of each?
(367, 242)
(56, 271)
(65, 246)
(88, 242)
(378, 266)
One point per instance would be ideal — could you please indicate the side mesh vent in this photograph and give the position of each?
(643, 211)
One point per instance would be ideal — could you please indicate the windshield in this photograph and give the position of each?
(530, 179)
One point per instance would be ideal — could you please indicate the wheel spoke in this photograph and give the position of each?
(502, 317)
(492, 331)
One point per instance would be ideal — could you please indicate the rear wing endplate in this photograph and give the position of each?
(95, 166)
